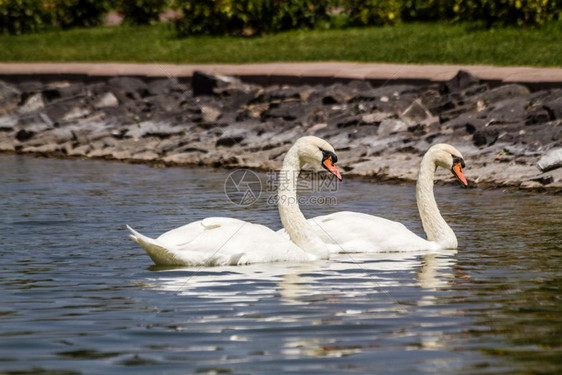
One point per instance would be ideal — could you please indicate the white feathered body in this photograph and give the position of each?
(355, 232)
(217, 241)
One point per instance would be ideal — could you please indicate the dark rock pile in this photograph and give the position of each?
(503, 132)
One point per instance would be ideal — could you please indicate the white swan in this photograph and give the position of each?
(357, 232)
(226, 241)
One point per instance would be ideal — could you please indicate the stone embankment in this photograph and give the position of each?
(509, 136)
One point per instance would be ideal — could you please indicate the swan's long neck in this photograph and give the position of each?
(293, 220)
(436, 229)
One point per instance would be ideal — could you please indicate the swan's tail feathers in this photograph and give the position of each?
(137, 237)
(159, 254)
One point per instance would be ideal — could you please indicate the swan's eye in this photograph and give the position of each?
(457, 160)
(329, 154)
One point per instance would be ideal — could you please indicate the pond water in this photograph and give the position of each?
(78, 296)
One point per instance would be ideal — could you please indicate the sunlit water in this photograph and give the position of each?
(78, 296)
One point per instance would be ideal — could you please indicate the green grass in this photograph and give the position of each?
(406, 43)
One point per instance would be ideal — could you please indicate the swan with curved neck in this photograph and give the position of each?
(357, 232)
(228, 241)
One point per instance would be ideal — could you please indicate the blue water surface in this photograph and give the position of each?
(79, 297)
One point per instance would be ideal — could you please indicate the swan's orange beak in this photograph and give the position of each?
(331, 167)
(457, 171)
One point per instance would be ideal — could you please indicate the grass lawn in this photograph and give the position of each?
(406, 43)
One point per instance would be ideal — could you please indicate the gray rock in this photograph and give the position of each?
(132, 88)
(503, 92)
(8, 93)
(63, 90)
(486, 136)
(46, 149)
(359, 85)
(391, 126)
(167, 86)
(33, 103)
(80, 136)
(537, 115)
(515, 150)
(30, 87)
(254, 111)
(205, 84)
(107, 100)
(97, 88)
(57, 136)
(184, 158)
(23, 135)
(231, 137)
(531, 185)
(374, 118)
(461, 81)
(8, 107)
(162, 104)
(236, 97)
(76, 113)
(543, 179)
(467, 123)
(7, 123)
(285, 92)
(154, 129)
(81, 150)
(459, 110)
(37, 122)
(147, 155)
(344, 121)
(551, 160)
(334, 95)
(442, 104)
(7, 146)
(507, 111)
(210, 114)
(554, 107)
(387, 92)
(287, 111)
(476, 89)
(55, 111)
(94, 117)
(417, 113)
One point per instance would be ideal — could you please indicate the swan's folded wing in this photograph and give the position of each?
(357, 232)
(184, 235)
(227, 241)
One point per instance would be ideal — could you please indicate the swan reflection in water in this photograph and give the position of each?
(353, 287)
(295, 281)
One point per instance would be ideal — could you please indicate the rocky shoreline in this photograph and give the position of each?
(510, 137)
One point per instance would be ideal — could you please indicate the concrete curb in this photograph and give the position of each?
(287, 73)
